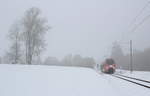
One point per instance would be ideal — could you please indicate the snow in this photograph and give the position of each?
(36, 80)
(137, 74)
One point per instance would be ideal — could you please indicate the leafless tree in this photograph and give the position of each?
(34, 29)
(14, 53)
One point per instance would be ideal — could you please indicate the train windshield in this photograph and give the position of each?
(110, 61)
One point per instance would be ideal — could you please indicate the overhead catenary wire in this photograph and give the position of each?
(134, 25)
(140, 23)
(134, 28)
(133, 22)
(142, 10)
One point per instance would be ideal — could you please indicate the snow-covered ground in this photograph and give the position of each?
(136, 74)
(36, 80)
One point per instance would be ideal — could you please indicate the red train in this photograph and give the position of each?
(108, 66)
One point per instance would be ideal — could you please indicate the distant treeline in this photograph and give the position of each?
(71, 60)
(141, 59)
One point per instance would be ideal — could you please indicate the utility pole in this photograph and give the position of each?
(131, 57)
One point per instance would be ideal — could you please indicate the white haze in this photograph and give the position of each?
(85, 27)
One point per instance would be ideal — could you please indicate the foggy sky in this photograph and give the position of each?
(85, 27)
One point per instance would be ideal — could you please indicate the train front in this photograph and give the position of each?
(108, 66)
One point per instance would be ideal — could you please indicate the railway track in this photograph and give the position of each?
(136, 81)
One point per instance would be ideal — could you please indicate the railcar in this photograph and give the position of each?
(108, 66)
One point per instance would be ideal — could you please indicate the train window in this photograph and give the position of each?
(110, 61)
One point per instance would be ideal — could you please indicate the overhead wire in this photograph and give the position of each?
(142, 10)
(133, 29)
(140, 23)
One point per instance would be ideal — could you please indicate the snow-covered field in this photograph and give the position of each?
(36, 80)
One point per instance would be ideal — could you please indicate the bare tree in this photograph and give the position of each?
(14, 53)
(34, 30)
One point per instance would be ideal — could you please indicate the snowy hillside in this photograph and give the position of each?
(36, 80)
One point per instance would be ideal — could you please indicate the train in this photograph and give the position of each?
(108, 66)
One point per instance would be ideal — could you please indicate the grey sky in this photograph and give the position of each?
(85, 27)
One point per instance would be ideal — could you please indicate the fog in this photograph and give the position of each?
(85, 27)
